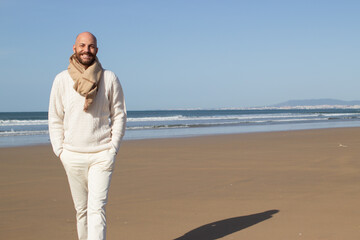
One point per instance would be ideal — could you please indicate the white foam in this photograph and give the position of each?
(221, 117)
(23, 133)
(22, 122)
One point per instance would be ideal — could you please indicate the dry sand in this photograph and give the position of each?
(279, 185)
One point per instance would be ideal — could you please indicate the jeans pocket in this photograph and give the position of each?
(62, 154)
(63, 159)
(112, 150)
(107, 160)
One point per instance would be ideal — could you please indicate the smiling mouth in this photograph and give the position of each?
(85, 58)
(87, 55)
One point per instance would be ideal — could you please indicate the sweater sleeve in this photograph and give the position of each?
(117, 114)
(56, 118)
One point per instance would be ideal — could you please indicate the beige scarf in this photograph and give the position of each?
(86, 80)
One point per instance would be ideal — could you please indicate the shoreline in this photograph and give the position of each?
(274, 185)
(214, 131)
(31, 128)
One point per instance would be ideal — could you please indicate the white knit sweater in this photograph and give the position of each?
(101, 127)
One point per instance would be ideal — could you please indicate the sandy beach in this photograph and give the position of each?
(277, 185)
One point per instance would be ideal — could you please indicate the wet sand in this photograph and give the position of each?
(278, 185)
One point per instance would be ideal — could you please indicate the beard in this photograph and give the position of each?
(85, 58)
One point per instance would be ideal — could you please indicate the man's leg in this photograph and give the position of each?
(100, 173)
(76, 167)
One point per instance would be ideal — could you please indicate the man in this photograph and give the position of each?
(87, 118)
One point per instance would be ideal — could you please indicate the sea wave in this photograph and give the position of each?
(190, 120)
(224, 124)
(22, 122)
(242, 117)
(226, 117)
(22, 133)
(220, 117)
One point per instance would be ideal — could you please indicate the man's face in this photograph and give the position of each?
(85, 49)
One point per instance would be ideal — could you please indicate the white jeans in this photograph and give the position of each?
(89, 176)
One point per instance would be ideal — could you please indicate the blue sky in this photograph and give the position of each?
(176, 54)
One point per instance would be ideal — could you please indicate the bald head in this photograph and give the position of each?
(86, 35)
(85, 48)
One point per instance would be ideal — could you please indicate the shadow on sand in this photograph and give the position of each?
(219, 229)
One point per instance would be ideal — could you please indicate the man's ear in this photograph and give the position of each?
(74, 48)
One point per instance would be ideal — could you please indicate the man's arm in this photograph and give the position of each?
(56, 118)
(117, 114)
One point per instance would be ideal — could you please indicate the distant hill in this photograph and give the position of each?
(317, 102)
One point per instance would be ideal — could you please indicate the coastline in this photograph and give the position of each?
(34, 140)
(31, 128)
(273, 185)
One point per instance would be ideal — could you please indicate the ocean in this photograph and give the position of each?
(31, 128)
